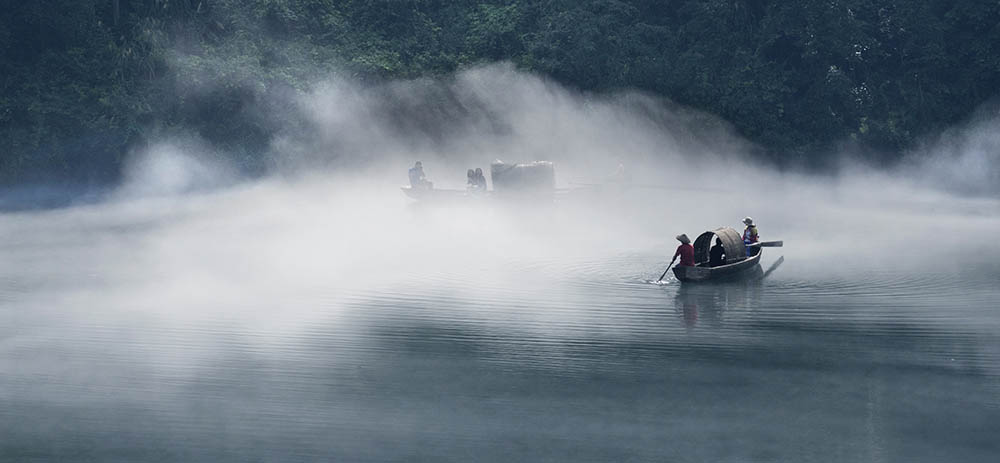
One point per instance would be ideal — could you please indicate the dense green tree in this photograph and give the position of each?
(84, 81)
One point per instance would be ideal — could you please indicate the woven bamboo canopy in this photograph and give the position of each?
(732, 242)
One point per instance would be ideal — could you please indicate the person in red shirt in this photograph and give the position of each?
(685, 250)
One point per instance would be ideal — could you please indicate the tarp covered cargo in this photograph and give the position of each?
(535, 177)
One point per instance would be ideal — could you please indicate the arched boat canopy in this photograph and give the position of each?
(732, 242)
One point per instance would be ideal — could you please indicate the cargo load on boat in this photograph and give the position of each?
(533, 178)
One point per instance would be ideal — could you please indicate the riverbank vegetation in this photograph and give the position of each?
(85, 81)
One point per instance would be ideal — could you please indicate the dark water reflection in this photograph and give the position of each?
(560, 360)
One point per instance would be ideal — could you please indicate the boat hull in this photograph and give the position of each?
(439, 195)
(705, 273)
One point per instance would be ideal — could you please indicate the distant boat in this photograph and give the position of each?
(531, 181)
(440, 195)
(737, 263)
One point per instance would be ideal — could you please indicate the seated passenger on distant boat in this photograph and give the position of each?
(475, 180)
(480, 179)
(717, 256)
(417, 177)
(471, 182)
(685, 250)
(749, 235)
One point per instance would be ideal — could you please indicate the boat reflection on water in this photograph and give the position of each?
(708, 302)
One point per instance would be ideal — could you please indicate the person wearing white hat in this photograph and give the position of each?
(750, 235)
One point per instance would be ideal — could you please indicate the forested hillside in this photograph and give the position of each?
(85, 80)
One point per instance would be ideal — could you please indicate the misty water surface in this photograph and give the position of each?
(193, 315)
(328, 321)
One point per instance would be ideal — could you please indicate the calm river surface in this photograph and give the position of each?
(257, 326)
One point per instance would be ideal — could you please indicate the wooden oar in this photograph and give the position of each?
(668, 268)
(774, 266)
(768, 244)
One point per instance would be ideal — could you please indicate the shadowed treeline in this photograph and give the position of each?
(86, 82)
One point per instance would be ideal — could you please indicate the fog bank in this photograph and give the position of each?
(186, 233)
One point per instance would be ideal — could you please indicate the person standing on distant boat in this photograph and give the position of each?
(749, 234)
(417, 177)
(685, 250)
(717, 256)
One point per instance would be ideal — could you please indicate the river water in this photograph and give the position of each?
(273, 322)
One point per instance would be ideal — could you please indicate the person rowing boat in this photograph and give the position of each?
(685, 251)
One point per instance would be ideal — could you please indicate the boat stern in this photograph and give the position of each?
(686, 273)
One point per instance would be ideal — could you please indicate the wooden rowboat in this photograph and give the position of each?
(442, 195)
(703, 272)
(736, 265)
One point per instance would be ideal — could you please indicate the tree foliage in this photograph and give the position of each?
(86, 80)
